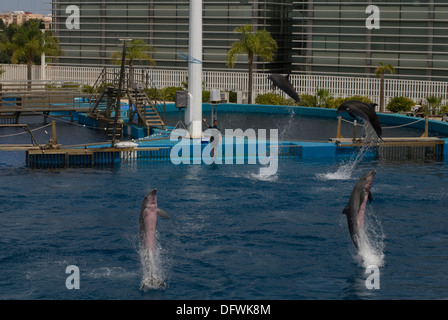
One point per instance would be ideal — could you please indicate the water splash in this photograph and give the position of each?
(371, 242)
(152, 269)
(287, 126)
(370, 135)
(269, 176)
(345, 171)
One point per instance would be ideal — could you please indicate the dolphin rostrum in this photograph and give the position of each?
(148, 223)
(356, 207)
(285, 85)
(363, 111)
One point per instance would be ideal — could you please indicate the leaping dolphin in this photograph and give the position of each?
(365, 112)
(285, 85)
(148, 223)
(356, 207)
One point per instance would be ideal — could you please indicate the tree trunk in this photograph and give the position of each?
(131, 73)
(251, 74)
(131, 85)
(29, 73)
(382, 93)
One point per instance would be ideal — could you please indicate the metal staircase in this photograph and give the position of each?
(146, 111)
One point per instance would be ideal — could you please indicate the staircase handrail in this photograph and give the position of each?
(158, 98)
(94, 87)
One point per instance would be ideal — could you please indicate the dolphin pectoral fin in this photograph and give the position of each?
(346, 210)
(163, 214)
(370, 197)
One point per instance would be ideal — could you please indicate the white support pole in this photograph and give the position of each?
(42, 62)
(42, 67)
(193, 112)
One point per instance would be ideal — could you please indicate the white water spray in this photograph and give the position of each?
(289, 123)
(152, 269)
(345, 171)
(371, 242)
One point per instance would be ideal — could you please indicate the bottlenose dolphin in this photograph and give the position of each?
(363, 111)
(148, 223)
(285, 85)
(356, 207)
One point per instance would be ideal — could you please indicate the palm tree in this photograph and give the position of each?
(379, 72)
(137, 50)
(259, 43)
(29, 43)
(322, 97)
(434, 102)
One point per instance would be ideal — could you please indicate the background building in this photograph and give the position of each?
(330, 37)
(19, 17)
(164, 25)
(314, 37)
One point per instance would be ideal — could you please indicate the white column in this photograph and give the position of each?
(42, 62)
(42, 67)
(193, 113)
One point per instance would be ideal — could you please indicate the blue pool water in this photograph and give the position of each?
(233, 233)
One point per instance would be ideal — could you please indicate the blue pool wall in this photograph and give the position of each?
(385, 118)
(309, 150)
(324, 149)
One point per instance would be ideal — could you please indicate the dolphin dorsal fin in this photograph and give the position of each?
(346, 210)
(163, 214)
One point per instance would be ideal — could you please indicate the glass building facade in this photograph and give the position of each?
(165, 26)
(314, 37)
(331, 37)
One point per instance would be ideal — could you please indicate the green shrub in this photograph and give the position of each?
(151, 93)
(334, 103)
(169, 93)
(232, 97)
(357, 98)
(103, 86)
(273, 99)
(205, 96)
(87, 88)
(70, 85)
(444, 109)
(308, 100)
(400, 104)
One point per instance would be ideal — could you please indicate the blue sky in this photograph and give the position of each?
(34, 6)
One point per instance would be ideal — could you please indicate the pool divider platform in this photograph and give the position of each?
(109, 157)
(392, 149)
(91, 157)
(398, 149)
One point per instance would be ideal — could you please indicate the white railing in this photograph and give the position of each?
(416, 90)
